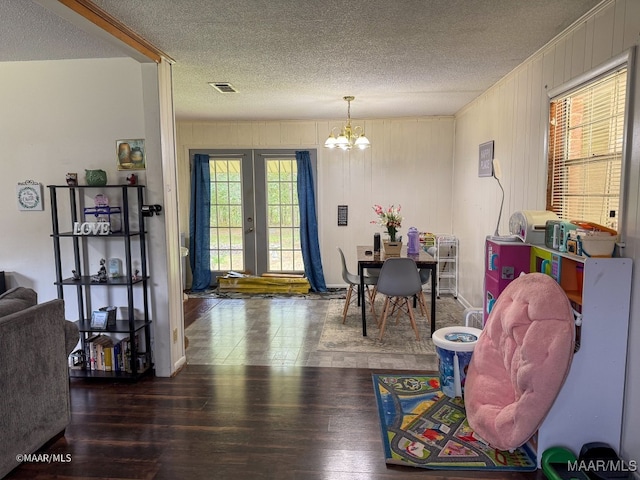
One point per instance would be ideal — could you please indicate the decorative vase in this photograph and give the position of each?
(136, 156)
(124, 153)
(96, 178)
(391, 249)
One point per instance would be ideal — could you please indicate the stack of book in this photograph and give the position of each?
(101, 353)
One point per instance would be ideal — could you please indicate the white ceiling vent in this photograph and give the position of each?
(223, 87)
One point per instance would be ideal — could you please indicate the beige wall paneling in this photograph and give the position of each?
(578, 52)
(537, 121)
(630, 25)
(560, 58)
(588, 43)
(603, 35)
(436, 163)
(298, 133)
(568, 56)
(410, 160)
(184, 131)
(476, 200)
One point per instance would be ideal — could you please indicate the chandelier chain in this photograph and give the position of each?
(349, 136)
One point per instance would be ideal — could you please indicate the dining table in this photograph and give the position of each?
(368, 258)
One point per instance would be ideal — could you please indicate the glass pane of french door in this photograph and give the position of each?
(226, 219)
(283, 216)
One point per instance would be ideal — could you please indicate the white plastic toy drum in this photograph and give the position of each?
(454, 346)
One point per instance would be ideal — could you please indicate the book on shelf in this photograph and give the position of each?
(102, 353)
(126, 353)
(102, 345)
(117, 358)
(90, 352)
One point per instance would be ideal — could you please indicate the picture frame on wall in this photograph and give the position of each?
(130, 154)
(29, 196)
(485, 159)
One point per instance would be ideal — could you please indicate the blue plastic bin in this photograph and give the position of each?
(454, 346)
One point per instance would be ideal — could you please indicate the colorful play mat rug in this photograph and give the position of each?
(422, 427)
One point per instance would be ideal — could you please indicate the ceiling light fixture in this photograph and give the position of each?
(349, 136)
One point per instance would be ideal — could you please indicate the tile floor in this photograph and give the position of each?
(277, 332)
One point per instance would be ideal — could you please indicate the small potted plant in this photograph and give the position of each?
(391, 220)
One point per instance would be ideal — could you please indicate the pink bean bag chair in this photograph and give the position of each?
(520, 361)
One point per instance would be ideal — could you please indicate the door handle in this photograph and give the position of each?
(249, 230)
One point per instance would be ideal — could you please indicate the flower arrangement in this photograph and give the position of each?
(389, 218)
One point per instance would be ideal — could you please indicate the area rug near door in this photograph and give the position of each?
(422, 427)
(330, 294)
(399, 338)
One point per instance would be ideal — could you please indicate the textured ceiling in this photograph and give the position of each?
(29, 31)
(292, 59)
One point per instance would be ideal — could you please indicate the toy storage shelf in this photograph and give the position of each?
(446, 255)
(599, 289)
(503, 262)
(76, 251)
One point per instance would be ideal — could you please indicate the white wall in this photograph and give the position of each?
(58, 117)
(409, 164)
(514, 114)
(65, 116)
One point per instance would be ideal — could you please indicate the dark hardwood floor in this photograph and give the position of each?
(230, 422)
(194, 308)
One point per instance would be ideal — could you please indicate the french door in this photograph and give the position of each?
(255, 220)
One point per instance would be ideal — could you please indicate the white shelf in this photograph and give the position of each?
(577, 415)
(446, 255)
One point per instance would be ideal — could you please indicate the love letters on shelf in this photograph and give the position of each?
(91, 228)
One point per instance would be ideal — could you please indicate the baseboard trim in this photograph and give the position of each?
(179, 365)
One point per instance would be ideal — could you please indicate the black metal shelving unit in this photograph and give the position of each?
(133, 227)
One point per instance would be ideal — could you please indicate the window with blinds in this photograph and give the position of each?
(586, 130)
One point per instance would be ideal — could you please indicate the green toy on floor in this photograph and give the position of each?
(597, 461)
(558, 464)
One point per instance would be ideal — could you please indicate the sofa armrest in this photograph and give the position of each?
(71, 336)
(34, 378)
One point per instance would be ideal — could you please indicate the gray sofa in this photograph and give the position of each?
(35, 341)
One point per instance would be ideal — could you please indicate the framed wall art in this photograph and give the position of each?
(343, 215)
(485, 160)
(130, 154)
(29, 195)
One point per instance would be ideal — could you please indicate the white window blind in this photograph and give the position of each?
(586, 129)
